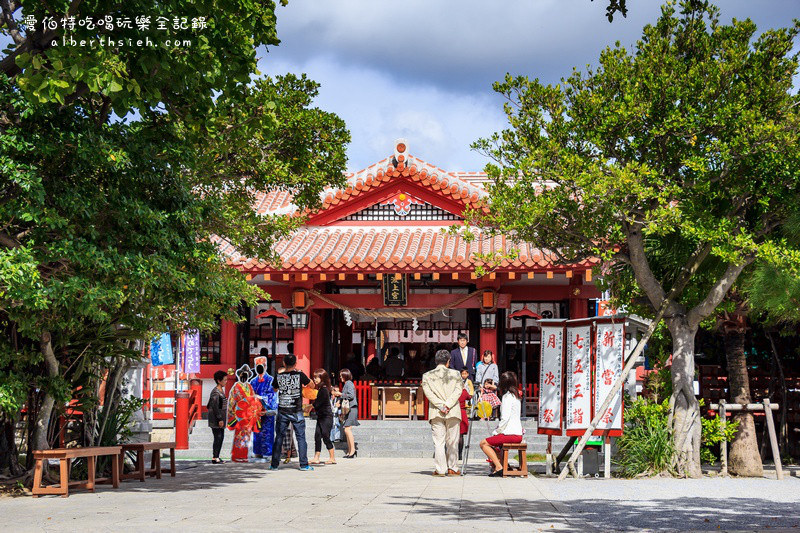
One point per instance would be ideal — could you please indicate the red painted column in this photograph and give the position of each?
(578, 303)
(302, 347)
(182, 421)
(316, 354)
(488, 342)
(227, 349)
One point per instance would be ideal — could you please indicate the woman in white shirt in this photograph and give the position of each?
(510, 428)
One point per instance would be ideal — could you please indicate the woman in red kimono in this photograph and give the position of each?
(244, 414)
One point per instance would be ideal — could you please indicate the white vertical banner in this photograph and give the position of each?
(609, 339)
(578, 380)
(550, 379)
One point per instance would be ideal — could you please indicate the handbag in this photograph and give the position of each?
(345, 409)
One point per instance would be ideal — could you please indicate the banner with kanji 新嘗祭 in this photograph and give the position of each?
(578, 389)
(550, 378)
(609, 348)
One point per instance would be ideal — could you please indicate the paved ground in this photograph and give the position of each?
(401, 495)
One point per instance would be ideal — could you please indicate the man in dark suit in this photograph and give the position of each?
(464, 357)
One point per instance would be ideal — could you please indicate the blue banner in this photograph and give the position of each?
(161, 350)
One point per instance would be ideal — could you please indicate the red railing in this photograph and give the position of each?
(161, 410)
(364, 396)
(195, 402)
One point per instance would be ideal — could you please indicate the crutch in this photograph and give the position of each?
(473, 410)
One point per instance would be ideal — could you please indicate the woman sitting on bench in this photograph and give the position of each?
(509, 431)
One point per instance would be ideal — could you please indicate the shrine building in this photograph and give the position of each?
(373, 269)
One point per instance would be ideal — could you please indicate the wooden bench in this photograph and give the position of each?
(138, 449)
(522, 450)
(65, 457)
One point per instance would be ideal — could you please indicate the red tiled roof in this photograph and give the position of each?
(463, 187)
(449, 184)
(389, 248)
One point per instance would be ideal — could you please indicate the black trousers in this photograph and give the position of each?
(323, 433)
(219, 434)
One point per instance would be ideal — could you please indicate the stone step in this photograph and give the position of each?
(376, 438)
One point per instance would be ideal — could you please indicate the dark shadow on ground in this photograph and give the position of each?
(679, 514)
(541, 514)
(200, 475)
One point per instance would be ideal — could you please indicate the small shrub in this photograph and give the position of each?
(712, 434)
(646, 445)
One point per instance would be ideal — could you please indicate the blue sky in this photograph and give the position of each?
(423, 69)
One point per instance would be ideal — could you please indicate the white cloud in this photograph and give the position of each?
(423, 69)
(438, 125)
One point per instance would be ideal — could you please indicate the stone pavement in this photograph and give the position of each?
(401, 495)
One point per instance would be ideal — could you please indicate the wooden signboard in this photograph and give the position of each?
(550, 377)
(609, 349)
(395, 290)
(578, 390)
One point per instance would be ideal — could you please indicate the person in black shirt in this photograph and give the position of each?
(218, 413)
(289, 385)
(322, 406)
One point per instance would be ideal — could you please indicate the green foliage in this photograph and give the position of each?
(658, 383)
(645, 447)
(111, 230)
(671, 164)
(118, 429)
(712, 434)
(773, 294)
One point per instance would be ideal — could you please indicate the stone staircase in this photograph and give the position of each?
(377, 438)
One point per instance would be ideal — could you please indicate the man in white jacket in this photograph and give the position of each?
(442, 387)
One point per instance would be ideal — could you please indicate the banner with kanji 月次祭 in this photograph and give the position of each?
(609, 347)
(578, 388)
(550, 376)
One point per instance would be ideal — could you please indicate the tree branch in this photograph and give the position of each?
(8, 18)
(641, 268)
(7, 241)
(717, 293)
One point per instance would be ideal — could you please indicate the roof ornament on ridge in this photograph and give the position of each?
(400, 154)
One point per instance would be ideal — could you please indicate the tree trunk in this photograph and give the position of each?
(743, 457)
(9, 454)
(46, 409)
(685, 409)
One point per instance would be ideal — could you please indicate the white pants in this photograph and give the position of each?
(445, 444)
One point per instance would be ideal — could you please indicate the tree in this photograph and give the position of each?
(108, 226)
(686, 144)
(744, 458)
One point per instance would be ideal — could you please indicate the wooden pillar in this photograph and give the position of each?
(578, 304)
(302, 346)
(316, 354)
(227, 349)
(488, 341)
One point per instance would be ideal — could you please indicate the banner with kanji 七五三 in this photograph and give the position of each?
(578, 384)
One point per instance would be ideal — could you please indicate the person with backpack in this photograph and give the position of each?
(289, 385)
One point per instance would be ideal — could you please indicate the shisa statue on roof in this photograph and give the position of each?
(244, 414)
(262, 385)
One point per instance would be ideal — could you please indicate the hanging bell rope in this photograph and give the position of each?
(395, 313)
